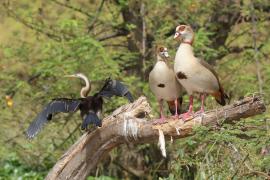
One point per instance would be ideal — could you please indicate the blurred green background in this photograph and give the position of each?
(43, 40)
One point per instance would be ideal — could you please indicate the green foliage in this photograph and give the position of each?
(14, 169)
(46, 41)
(202, 45)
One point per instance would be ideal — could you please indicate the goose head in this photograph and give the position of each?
(184, 33)
(162, 53)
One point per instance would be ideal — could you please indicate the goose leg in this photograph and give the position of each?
(201, 111)
(176, 116)
(161, 120)
(188, 114)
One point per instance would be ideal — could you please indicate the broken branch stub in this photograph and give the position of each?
(129, 123)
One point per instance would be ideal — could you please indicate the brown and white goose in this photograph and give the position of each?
(164, 85)
(194, 74)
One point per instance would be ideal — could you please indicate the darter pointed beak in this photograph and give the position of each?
(71, 76)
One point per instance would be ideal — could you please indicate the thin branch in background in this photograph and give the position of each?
(113, 35)
(143, 38)
(41, 30)
(256, 173)
(237, 36)
(54, 36)
(267, 123)
(10, 140)
(115, 45)
(80, 10)
(156, 168)
(208, 165)
(69, 136)
(237, 155)
(244, 161)
(131, 170)
(237, 49)
(96, 16)
(239, 166)
(69, 116)
(254, 35)
(33, 77)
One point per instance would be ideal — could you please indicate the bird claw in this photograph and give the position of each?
(176, 116)
(186, 116)
(160, 121)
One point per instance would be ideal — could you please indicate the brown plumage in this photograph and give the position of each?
(220, 95)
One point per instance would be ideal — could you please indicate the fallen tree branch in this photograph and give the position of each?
(129, 123)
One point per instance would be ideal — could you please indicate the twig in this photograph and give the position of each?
(96, 16)
(239, 166)
(30, 25)
(113, 35)
(254, 34)
(237, 36)
(66, 139)
(115, 45)
(80, 10)
(130, 170)
(257, 173)
(143, 38)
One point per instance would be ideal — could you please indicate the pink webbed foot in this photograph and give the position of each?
(186, 116)
(162, 118)
(160, 121)
(176, 116)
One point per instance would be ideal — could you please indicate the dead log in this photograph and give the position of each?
(131, 123)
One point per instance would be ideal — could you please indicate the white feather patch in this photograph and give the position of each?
(161, 143)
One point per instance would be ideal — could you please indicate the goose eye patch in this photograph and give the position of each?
(181, 28)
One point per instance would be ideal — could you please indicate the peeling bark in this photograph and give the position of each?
(130, 123)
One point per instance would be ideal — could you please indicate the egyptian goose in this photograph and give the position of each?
(164, 85)
(194, 74)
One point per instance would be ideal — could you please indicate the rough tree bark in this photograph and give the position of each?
(130, 123)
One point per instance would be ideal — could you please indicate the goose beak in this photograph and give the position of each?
(176, 35)
(166, 54)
